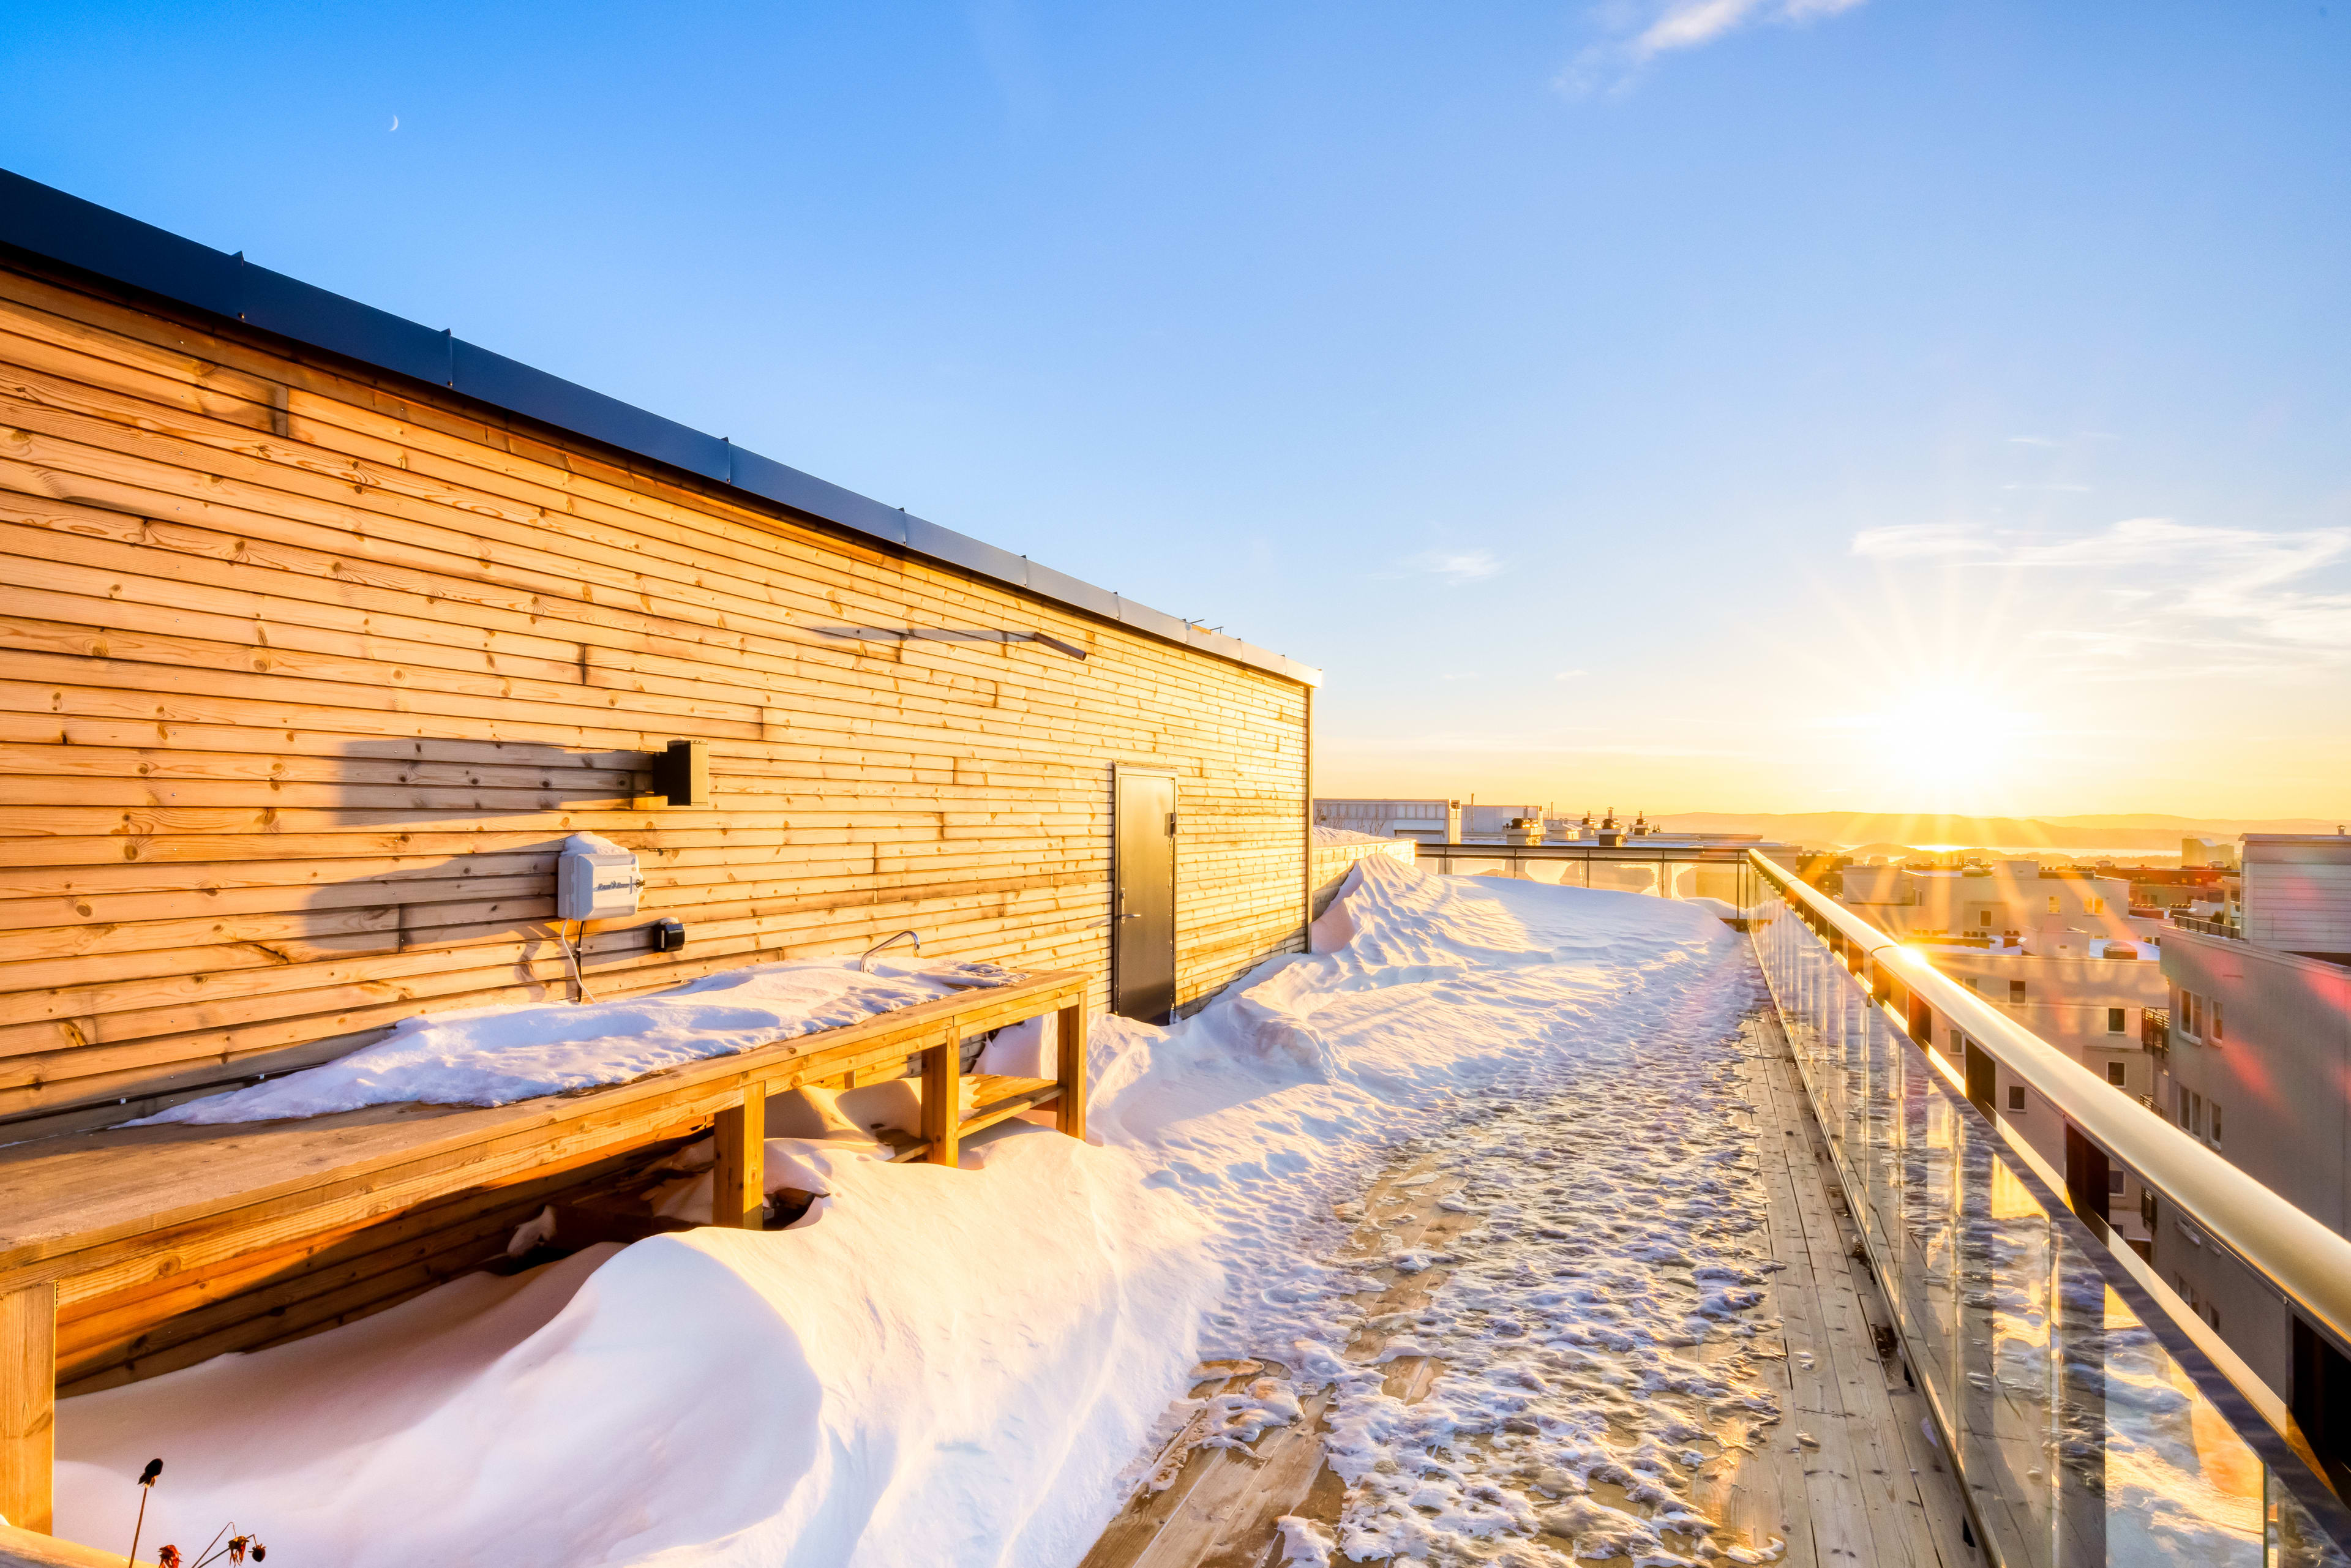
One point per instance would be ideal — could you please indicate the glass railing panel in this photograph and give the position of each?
(1625, 876)
(2080, 1434)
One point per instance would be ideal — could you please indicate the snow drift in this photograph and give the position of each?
(935, 1366)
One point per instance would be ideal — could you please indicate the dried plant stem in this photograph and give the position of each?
(207, 1555)
(136, 1529)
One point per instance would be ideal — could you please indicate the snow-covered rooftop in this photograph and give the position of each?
(954, 1365)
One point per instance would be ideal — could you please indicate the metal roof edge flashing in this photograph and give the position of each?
(1143, 618)
(44, 221)
(787, 487)
(292, 308)
(1068, 590)
(478, 374)
(57, 227)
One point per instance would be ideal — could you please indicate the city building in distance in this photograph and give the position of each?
(2253, 1059)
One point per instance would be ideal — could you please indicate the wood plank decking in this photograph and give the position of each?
(1863, 1486)
(1877, 1489)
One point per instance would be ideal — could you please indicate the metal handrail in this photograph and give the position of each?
(2305, 1260)
(2222, 926)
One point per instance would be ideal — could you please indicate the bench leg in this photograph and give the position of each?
(28, 1403)
(1069, 1110)
(943, 1100)
(738, 1180)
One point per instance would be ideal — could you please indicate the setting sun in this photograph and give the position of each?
(1945, 744)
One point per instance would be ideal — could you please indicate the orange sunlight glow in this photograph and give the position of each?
(1949, 744)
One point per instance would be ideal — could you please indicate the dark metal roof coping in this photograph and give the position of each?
(47, 222)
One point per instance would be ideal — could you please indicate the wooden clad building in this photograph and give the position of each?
(319, 632)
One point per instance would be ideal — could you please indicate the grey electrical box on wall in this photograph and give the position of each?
(683, 773)
(595, 879)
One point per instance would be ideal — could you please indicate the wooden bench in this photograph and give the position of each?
(128, 1251)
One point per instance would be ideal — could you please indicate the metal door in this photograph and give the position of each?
(1143, 896)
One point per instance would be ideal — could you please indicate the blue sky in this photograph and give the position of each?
(1689, 404)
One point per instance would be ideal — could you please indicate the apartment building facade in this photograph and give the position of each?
(2253, 1058)
(2014, 897)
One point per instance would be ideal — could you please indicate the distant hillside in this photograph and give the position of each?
(2145, 831)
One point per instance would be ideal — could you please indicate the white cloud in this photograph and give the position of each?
(1571, 675)
(2163, 597)
(1908, 540)
(2163, 542)
(1456, 567)
(1641, 30)
(1686, 24)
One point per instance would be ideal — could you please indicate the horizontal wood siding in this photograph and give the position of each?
(303, 678)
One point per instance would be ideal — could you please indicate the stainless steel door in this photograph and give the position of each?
(1143, 896)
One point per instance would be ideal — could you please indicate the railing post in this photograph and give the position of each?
(1975, 1405)
(1069, 1029)
(1917, 1017)
(2088, 1178)
(28, 1403)
(1984, 1081)
(2077, 1347)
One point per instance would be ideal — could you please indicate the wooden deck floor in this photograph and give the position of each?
(1866, 1487)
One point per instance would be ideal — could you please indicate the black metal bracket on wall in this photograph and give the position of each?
(681, 773)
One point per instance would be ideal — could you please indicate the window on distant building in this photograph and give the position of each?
(2016, 990)
(1983, 918)
(2115, 1181)
(2118, 1074)
(2095, 905)
(2196, 1103)
(2218, 1032)
(2016, 1096)
(2216, 1123)
(2185, 1125)
(2117, 1022)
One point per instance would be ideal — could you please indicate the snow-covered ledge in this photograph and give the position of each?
(1332, 852)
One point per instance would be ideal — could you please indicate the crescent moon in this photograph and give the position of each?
(395, 123)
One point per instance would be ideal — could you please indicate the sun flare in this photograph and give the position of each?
(1949, 745)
